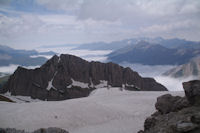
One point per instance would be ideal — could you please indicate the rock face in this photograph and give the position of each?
(176, 114)
(192, 91)
(168, 103)
(69, 76)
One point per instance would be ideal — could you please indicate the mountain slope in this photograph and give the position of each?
(191, 68)
(152, 54)
(69, 76)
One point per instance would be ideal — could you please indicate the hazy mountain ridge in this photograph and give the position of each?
(115, 45)
(21, 57)
(153, 54)
(192, 68)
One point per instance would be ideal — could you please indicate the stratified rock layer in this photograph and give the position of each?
(69, 76)
(176, 114)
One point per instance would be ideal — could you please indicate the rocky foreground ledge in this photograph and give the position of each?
(176, 114)
(41, 130)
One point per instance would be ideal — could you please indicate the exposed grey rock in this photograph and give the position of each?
(192, 91)
(185, 126)
(176, 114)
(50, 130)
(62, 70)
(168, 103)
(196, 118)
(141, 131)
(41, 130)
(149, 123)
(11, 130)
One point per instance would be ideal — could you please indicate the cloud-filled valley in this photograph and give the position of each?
(103, 66)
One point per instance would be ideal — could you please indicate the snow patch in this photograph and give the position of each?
(69, 86)
(79, 84)
(59, 59)
(20, 99)
(50, 83)
(133, 86)
(103, 83)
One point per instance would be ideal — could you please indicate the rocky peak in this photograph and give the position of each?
(67, 76)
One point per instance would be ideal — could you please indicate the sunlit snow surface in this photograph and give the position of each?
(104, 111)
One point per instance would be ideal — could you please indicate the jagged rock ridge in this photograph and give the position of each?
(68, 76)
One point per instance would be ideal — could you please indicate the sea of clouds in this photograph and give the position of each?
(155, 71)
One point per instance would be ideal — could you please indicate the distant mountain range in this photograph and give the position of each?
(106, 46)
(115, 45)
(192, 68)
(21, 57)
(153, 54)
(148, 51)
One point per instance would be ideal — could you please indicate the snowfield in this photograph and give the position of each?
(104, 111)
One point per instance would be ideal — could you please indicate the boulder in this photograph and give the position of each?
(176, 114)
(168, 103)
(192, 91)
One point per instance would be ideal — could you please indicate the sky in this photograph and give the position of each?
(34, 23)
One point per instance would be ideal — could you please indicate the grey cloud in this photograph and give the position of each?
(4, 2)
(85, 21)
(64, 5)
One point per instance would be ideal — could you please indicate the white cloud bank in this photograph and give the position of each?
(156, 71)
(173, 84)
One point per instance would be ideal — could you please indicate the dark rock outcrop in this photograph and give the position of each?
(50, 130)
(69, 76)
(192, 91)
(168, 103)
(176, 114)
(41, 130)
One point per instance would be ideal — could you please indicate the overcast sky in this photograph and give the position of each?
(32, 23)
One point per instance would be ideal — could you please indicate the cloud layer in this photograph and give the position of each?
(29, 23)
